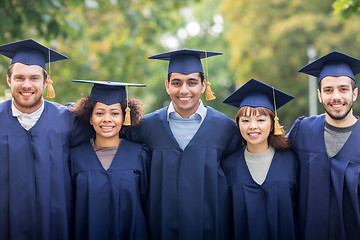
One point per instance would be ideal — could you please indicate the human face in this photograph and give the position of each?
(337, 97)
(185, 91)
(27, 87)
(107, 121)
(255, 129)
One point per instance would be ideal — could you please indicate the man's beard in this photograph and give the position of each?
(339, 117)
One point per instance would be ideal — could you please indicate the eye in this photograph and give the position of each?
(344, 89)
(115, 113)
(193, 83)
(244, 120)
(175, 83)
(99, 113)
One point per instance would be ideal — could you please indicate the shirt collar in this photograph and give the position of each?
(201, 111)
(16, 112)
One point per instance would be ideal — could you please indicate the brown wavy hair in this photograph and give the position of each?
(84, 108)
(279, 142)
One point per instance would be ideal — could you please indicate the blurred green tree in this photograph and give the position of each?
(269, 41)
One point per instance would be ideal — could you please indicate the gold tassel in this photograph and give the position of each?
(278, 129)
(127, 120)
(209, 95)
(50, 89)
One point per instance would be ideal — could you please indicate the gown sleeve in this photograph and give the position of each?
(293, 133)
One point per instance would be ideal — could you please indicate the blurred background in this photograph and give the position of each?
(268, 40)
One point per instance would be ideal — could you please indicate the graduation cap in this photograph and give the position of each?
(30, 52)
(333, 64)
(188, 61)
(257, 94)
(110, 93)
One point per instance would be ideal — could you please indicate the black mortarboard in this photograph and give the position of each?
(185, 61)
(333, 64)
(30, 52)
(257, 94)
(109, 92)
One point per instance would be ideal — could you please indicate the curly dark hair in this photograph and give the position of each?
(279, 142)
(84, 108)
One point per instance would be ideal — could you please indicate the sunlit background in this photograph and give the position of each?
(268, 40)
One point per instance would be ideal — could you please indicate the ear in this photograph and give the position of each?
(46, 81)
(319, 95)
(203, 86)
(355, 93)
(8, 80)
(91, 122)
(167, 86)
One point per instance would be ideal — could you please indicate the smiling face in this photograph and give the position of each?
(107, 121)
(255, 127)
(27, 86)
(337, 97)
(185, 91)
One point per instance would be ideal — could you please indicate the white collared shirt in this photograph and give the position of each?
(184, 129)
(27, 120)
(200, 112)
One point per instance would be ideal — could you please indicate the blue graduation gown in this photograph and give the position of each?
(35, 184)
(329, 201)
(109, 203)
(266, 211)
(189, 198)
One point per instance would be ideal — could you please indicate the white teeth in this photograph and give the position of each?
(106, 127)
(253, 134)
(184, 99)
(26, 94)
(337, 106)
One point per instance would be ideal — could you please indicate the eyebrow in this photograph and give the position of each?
(103, 109)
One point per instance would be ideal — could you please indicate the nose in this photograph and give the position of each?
(107, 118)
(253, 125)
(336, 95)
(184, 89)
(26, 83)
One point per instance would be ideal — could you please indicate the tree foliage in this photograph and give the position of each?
(346, 8)
(269, 42)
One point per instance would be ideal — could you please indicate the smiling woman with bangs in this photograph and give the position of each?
(262, 175)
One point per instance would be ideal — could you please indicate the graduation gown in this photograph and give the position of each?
(109, 203)
(35, 184)
(189, 198)
(329, 201)
(267, 211)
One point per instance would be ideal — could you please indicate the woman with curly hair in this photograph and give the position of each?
(110, 174)
(262, 175)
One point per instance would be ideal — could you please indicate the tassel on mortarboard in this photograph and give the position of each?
(209, 94)
(50, 88)
(278, 129)
(127, 120)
